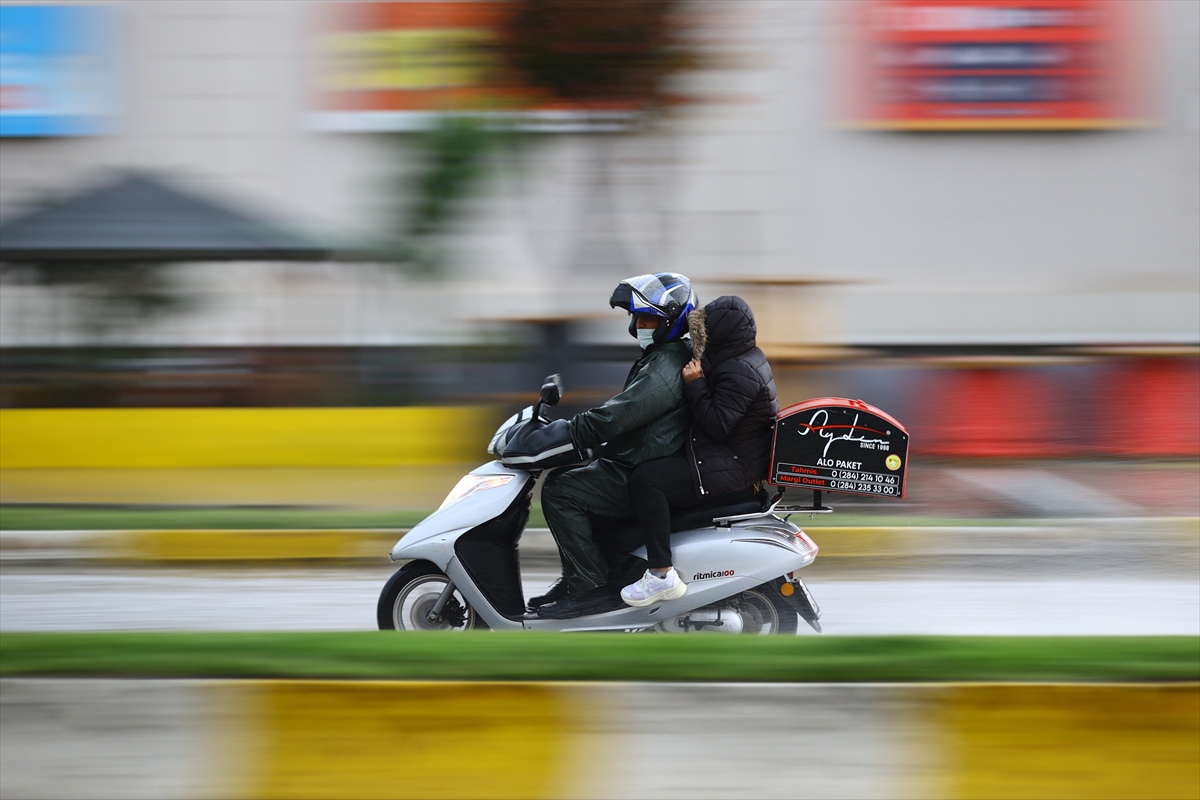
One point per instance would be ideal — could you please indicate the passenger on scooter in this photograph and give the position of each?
(646, 421)
(730, 393)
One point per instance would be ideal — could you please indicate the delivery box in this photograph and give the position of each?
(838, 445)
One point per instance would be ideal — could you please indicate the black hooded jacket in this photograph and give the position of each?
(733, 406)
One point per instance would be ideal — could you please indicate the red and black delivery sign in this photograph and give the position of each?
(839, 445)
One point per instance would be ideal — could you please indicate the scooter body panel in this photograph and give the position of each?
(475, 598)
(433, 538)
(764, 549)
(716, 563)
(437, 547)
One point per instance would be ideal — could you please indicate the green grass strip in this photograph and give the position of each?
(484, 655)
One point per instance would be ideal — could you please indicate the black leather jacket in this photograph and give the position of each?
(733, 406)
(648, 419)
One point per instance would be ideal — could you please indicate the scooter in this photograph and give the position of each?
(461, 567)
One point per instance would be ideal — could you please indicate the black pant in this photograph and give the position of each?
(572, 499)
(655, 488)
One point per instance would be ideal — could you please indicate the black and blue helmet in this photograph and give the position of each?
(667, 295)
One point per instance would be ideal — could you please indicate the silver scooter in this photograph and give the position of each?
(461, 568)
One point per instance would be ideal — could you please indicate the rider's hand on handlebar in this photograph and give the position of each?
(692, 371)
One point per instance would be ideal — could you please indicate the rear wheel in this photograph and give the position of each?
(761, 611)
(409, 596)
(765, 613)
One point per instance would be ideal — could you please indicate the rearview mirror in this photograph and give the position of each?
(552, 390)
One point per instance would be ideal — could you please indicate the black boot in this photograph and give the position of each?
(597, 601)
(556, 592)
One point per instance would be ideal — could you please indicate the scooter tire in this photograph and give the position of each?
(772, 610)
(402, 583)
(789, 620)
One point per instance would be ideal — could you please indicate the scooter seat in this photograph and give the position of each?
(625, 535)
(727, 506)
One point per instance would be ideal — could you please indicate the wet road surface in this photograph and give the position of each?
(40, 598)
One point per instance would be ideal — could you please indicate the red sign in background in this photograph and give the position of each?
(996, 64)
(1139, 407)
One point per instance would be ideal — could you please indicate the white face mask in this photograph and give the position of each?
(645, 337)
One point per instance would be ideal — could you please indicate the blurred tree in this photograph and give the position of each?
(452, 150)
(450, 159)
(583, 55)
(597, 53)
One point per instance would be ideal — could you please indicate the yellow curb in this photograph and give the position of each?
(1072, 740)
(324, 739)
(382, 739)
(930, 540)
(353, 544)
(245, 545)
(301, 544)
(285, 739)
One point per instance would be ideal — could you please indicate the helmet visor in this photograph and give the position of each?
(643, 294)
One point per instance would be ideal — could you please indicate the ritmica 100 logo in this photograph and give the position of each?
(700, 576)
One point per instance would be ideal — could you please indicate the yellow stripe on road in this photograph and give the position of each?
(240, 437)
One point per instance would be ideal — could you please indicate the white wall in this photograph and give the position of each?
(919, 237)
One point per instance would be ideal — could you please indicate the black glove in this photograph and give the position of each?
(537, 445)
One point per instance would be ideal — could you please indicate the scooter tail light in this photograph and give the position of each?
(808, 543)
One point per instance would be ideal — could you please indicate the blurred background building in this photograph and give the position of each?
(981, 215)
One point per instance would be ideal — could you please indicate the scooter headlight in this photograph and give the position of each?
(470, 484)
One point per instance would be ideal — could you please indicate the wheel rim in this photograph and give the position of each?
(415, 601)
(758, 613)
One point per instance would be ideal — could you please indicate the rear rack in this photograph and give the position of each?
(777, 510)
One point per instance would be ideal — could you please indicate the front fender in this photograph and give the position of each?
(437, 548)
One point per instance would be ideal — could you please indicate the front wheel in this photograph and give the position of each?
(410, 595)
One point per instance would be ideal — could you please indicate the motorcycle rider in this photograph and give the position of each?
(647, 420)
(730, 393)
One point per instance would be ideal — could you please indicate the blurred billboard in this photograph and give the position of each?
(392, 65)
(59, 70)
(378, 63)
(996, 64)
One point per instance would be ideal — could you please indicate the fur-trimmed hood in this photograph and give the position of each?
(699, 332)
(730, 328)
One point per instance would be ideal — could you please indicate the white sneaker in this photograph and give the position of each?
(652, 589)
